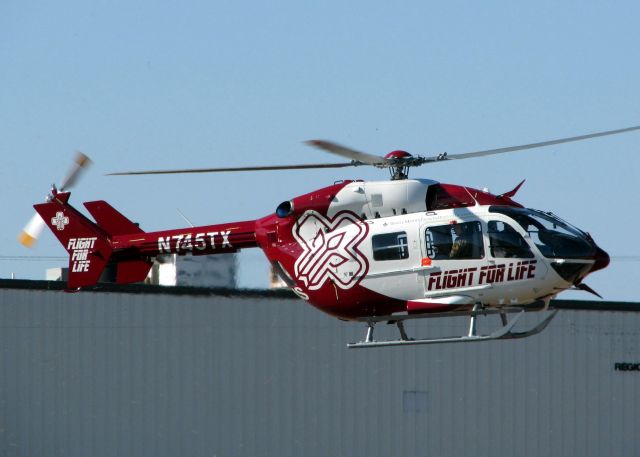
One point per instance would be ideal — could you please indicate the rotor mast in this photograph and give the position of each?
(398, 163)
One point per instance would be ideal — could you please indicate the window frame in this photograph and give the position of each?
(477, 236)
(403, 249)
(514, 229)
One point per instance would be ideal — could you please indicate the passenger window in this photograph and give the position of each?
(455, 241)
(505, 242)
(390, 246)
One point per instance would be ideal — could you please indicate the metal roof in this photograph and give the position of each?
(158, 372)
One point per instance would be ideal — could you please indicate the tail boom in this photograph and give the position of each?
(114, 238)
(203, 240)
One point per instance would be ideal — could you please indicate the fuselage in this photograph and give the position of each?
(361, 249)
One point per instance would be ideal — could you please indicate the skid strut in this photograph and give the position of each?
(472, 321)
(369, 338)
(502, 333)
(403, 333)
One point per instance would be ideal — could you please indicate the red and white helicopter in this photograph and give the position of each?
(382, 251)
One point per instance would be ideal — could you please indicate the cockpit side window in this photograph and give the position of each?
(505, 242)
(554, 237)
(454, 241)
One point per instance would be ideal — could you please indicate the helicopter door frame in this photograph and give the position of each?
(541, 264)
(391, 273)
(446, 275)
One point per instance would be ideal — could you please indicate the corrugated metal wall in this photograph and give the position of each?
(112, 374)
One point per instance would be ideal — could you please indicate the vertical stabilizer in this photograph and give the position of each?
(87, 244)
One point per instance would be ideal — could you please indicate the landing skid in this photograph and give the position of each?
(502, 333)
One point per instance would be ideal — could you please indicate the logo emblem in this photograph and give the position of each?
(330, 249)
(60, 220)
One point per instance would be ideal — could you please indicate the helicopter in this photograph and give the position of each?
(366, 251)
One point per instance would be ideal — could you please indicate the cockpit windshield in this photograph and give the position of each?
(552, 236)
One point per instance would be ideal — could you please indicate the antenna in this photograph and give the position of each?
(185, 217)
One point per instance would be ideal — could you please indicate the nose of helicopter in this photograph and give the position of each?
(601, 258)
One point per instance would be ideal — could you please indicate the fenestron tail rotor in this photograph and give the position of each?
(30, 233)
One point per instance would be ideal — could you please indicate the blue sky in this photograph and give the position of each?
(144, 85)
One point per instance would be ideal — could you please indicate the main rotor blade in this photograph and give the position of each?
(221, 170)
(349, 153)
(468, 155)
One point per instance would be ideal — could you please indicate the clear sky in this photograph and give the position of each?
(148, 85)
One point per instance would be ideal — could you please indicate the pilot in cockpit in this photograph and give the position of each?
(462, 246)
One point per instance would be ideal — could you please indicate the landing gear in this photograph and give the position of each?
(403, 334)
(369, 338)
(502, 333)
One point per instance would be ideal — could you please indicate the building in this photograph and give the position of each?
(275, 281)
(154, 371)
(172, 270)
(195, 271)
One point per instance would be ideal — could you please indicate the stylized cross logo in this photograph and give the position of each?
(60, 220)
(330, 249)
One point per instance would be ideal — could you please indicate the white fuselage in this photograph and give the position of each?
(407, 263)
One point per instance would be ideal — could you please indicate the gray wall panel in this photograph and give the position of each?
(114, 374)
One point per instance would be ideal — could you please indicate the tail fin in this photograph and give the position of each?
(110, 220)
(87, 244)
(115, 223)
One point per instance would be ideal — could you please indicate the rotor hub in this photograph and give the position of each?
(398, 155)
(398, 162)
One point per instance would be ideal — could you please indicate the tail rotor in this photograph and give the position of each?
(31, 232)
